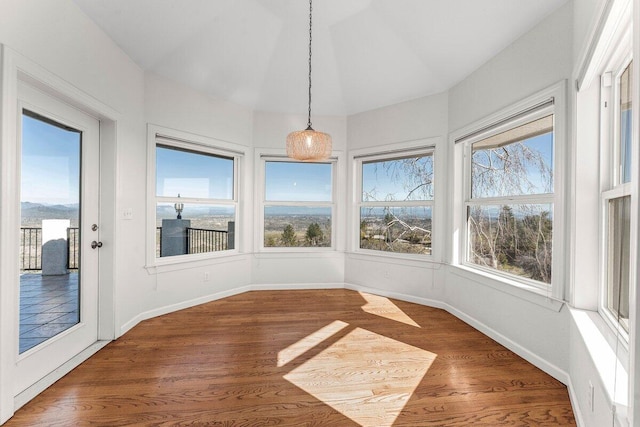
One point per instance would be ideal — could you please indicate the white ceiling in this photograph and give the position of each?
(366, 53)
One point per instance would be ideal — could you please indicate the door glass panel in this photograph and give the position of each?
(49, 229)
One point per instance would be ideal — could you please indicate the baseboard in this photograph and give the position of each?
(180, 306)
(573, 398)
(40, 386)
(521, 351)
(530, 357)
(396, 295)
(219, 295)
(295, 286)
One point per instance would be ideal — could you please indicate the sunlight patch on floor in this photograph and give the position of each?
(367, 377)
(307, 343)
(383, 307)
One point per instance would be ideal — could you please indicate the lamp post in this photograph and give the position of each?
(179, 207)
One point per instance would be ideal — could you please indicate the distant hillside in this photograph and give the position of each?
(35, 212)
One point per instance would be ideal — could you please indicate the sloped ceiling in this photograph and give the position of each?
(366, 53)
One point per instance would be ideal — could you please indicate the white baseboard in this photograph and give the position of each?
(37, 388)
(180, 306)
(530, 357)
(396, 295)
(574, 404)
(219, 295)
(296, 286)
(521, 351)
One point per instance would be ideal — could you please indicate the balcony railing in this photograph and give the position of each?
(201, 240)
(31, 248)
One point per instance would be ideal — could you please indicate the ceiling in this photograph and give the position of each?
(366, 53)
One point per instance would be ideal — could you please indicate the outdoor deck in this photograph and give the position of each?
(48, 306)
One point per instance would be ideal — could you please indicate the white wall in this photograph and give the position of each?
(537, 60)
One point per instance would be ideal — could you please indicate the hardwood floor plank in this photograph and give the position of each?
(217, 364)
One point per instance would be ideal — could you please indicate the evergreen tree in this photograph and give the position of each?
(314, 234)
(289, 236)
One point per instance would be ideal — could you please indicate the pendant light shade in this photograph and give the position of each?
(309, 145)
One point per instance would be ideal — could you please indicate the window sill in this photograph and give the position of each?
(193, 261)
(600, 342)
(523, 291)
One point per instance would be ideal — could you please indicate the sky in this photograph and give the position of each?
(50, 163)
(298, 182)
(192, 174)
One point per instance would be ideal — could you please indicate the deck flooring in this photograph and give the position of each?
(48, 306)
(303, 358)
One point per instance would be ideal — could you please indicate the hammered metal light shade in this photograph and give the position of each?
(309, 145)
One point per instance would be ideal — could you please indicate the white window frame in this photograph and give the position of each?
(551, 100)
(276, 156)
(158, 135)
(611, 187)
(417, 149)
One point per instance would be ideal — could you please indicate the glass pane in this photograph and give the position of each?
(297, 226)
(626, 113)
(298, 182)
(410, 178)
(191, 174)
(618, 257)
(516, 162)
(198, 229)
(49, 229)
(515, 239)
(404, 230)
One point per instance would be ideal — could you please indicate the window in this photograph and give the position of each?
(395, 202)
(617, 113)
(195, 198)
(298, 204)
(510, 197)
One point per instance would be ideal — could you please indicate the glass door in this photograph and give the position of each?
(58, 224)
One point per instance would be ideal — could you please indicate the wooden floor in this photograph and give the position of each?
(303, 358)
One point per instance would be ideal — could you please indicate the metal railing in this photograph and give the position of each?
(201, 240)
(73, 248)
(31, 248)
(158, 242)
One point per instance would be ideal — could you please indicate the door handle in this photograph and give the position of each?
(95, 244)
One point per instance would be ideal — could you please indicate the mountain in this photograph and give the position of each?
(38, 211)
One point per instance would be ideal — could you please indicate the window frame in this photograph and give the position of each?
(611, 184)
(261, 182)
(551, 100)
(171, 138)
(399, 151)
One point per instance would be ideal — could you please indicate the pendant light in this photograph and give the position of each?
(309, 145)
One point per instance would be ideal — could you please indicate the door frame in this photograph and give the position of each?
(15, 68)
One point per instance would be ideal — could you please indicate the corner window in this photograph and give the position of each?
(298, 204)
(616, 120)
(195, 198)
(395, 202)
(511, 194)
(510, 208)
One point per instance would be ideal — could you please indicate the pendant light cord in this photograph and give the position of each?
(310, 21)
